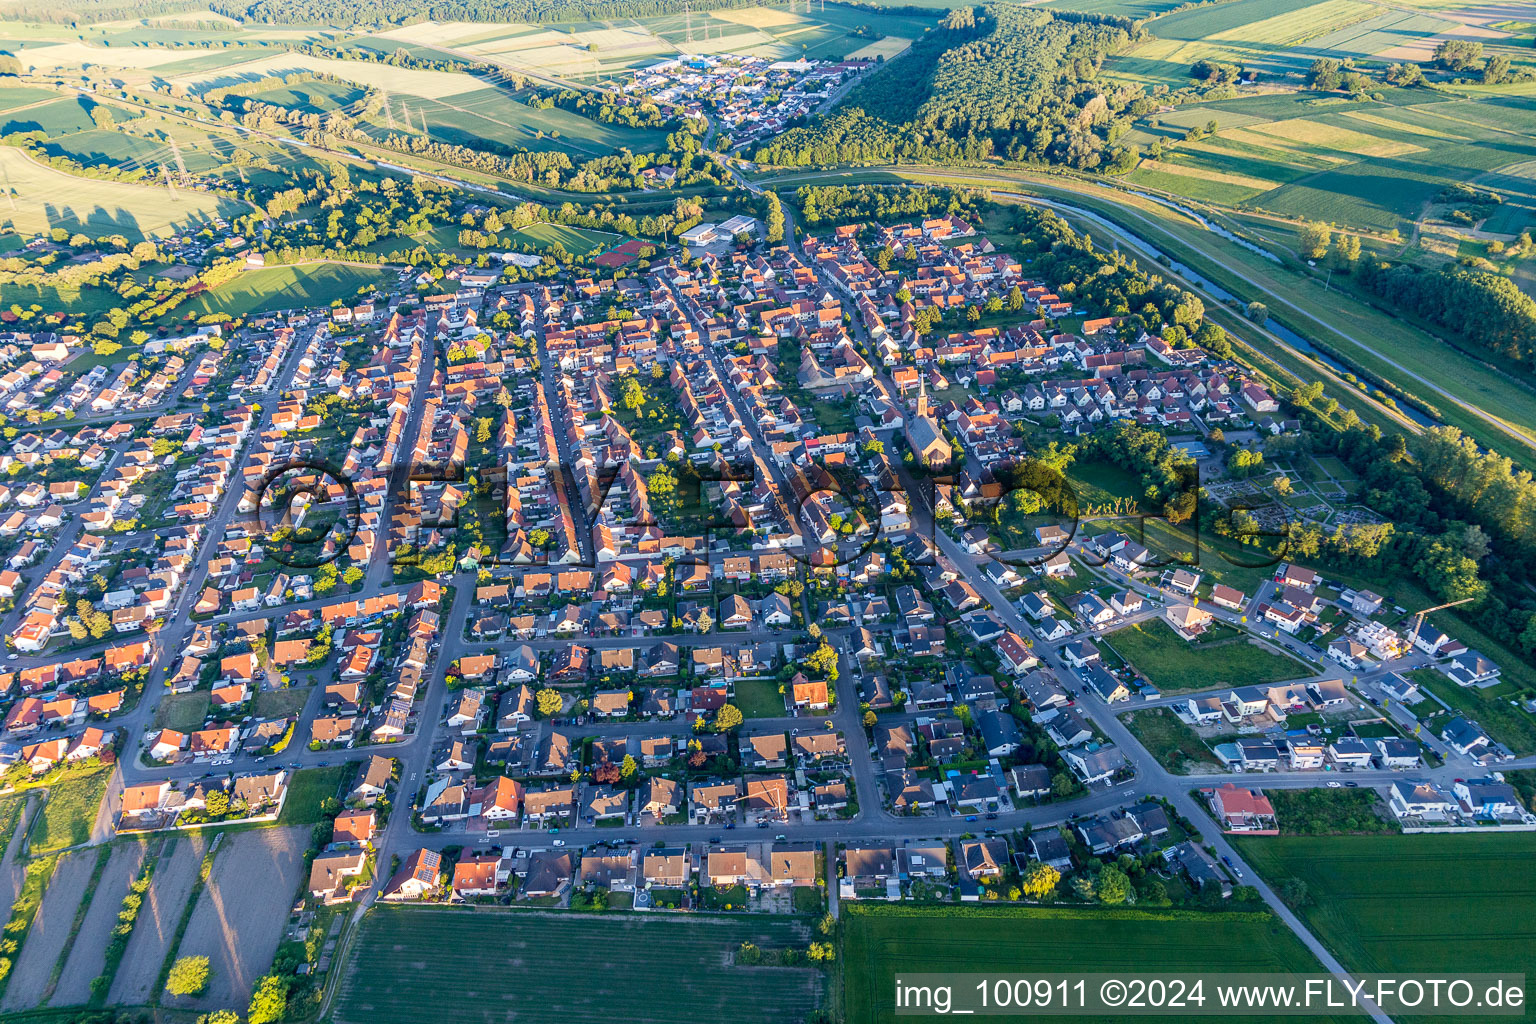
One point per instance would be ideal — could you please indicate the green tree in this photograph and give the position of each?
(1112, 885)
(728, 717)
(1314, 239)
(1040, 881)
(189, 976)
(269, 1003)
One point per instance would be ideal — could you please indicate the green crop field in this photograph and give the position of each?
(492, 115)
(48, 113)
(880, 943)
(47, 198)
(1413, 903)
(295, 287)
(434, 966)
(311, 97)
(1174, 665)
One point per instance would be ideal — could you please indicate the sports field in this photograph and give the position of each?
(295, 287)
(1175, 665)
(1413, 903)
(46, 198)
(880, 943)
(435, 966)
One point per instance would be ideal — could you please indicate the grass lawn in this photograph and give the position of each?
(183, 712)
(574, 240)
(439, 966)
(10, 814)
(1413, 903)
(880, 943)
(297, 287)
(1173, 743)
(1506, 723)
(70, 811)
(308, 789)
(759, 698)
(284, 703)
(1174, 665)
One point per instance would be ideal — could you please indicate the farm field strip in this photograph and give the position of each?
(50, 930)
(881, 943)
(47, 198)
(175, 874)
(240, 916)
(441, 967)
(88, 955)
(1413, 903)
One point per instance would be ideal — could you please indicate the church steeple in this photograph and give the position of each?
(922, 395)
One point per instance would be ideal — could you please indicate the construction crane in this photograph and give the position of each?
(1418, 618)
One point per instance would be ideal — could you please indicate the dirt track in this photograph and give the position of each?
(88, 955)
(241, 914)
(161, 913)
(50, 930)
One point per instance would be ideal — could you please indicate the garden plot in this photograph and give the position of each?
(50, 931)
(156, 927)
(88, 955)
(240, 916)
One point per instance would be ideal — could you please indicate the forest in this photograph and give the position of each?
(1022, 84)
(821, 204)
(1488, 310)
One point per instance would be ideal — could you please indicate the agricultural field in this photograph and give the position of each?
(69, 813)
(164, 906)
(880, 943)
(42, 110)
(432, 966)
(1370, 163)
(88, 954)
(45, 198)
(28, 982)
(311, 97)
(490, 115)
(395, 81)
(1175, 665)
(600, 50)
(240, 915)
(1413, 903)
(290, 287)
